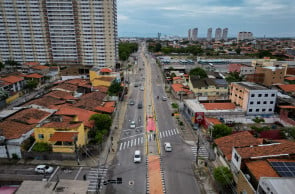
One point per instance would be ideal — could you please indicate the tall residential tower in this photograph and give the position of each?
(209, 34)
(218, 34)
(224, 34)
(194, 34)
(82, 32)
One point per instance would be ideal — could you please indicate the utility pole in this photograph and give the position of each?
(198, 148)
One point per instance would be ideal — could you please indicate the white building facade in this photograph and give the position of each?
(218, 34)
(194, 34)
(80, 32)
(209, 34)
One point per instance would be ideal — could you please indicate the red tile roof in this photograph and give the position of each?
(14, 130)
(46, 101)
(66, 86)
(214, 121)
(219, 106)
(82, 114)
(106, 70)
(63, 125)
(90, 101)
(180, 88)
(31, 63)
(290, 78)
(241, 139)
(175, 78)
(29, 116)
(288, 87)
(271, 134)
(105, 109)
(261, 168)
(267, 150)
(12, 79)
(61, 95)
(40, 67)
(63, 136)
(287, 106)
(34, 75)
(78, 82)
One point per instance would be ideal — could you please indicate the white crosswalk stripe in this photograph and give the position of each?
(202, 152)
(167, 133)
(93, 176)
(131, 143)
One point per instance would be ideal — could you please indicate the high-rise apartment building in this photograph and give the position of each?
(189, 34)
(245, 36)
(194, 34)
(82, 32)
(218, 32)
(224, 34)
(209, 34)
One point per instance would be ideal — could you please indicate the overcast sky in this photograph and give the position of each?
(146, 18)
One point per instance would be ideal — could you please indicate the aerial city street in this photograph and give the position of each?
(136, 97)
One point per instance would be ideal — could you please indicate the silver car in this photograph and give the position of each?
(44, 169)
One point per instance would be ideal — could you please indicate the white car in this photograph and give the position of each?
(141, 88)
(132, 125)
(44, 169)
(164, 98)
(168, 147)
(137, 156)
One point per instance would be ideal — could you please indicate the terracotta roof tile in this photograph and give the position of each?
(219, 106)
(261, 168)
(34, 75)
(13, 130)
(46, 101)
(286, 147)
(240, 139)
(12, 79)
(40, 67)
(61, 95)
(106, 70)
(31, 63)
(175, 78)
(78, 82)
(83, 115)
(105, 109)
(288, 87)
(214, 121)
(63, 136)
(179, 88)
(290, 78)
(66, 86)
(63, 125)
(91, 100)
(29, 116)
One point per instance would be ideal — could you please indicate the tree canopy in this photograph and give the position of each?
(102, 125)
(1, 65)
(31, 84)
(234, 77)
(198, 72)
(221, 130)
(115, 88)
(126, 49)
(223, 175)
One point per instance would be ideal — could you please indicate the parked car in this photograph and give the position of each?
(137, 156)
(164, 98)
(168, 147)
(139, 106)
(131, 102)
(141, 88)
(132, 125)
(44, 169)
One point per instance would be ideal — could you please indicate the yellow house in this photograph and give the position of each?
(102, 77)
(208, 88)
(62, 133)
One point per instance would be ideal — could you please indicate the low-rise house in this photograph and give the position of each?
(208, 89)
(241, 68)
(103, 77)
(288, 89)
(17, 128)
(106, 107)
(40, 69)
(13, 83)
(90, 101)
(180, 91)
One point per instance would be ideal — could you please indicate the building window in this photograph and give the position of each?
(265, 95)
(259, 95)
(272, 95)
(40, 136)
(257, 110)
(270, 110)
(236, 157)
(264, 102)
(252, 95)
(258, 102)
(250, 110)
(271, 102)
(263, 110)
(251, 102)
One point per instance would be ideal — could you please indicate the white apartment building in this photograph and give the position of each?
(218, 33)
(209, 34)
(253, 98)
(224, 34)
(245, 36)
(82, 32)
(194, 34)
(189, 34)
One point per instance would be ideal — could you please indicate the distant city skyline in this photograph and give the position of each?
(273, 18)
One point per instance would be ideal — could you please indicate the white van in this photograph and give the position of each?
(137, 156)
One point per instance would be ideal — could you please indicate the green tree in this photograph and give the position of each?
(101, 121)
(31, 84)
(158, 47)
(126, 49)
(289, 132)
(221, 130)
(234, 77)
(12, 63)
(198, 72)
(115, 88)
(238, 50)
(1, 65)
(223, 175)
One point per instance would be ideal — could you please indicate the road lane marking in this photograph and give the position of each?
(166, 133)
(177, 130)
(160, 135)
(163, 134)
(121, 144)
(174, 131)
(169, 132)
(124, 145)
(131, 143)
(141, 139)
(131, 136)
(52, 175)
(128, 144)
